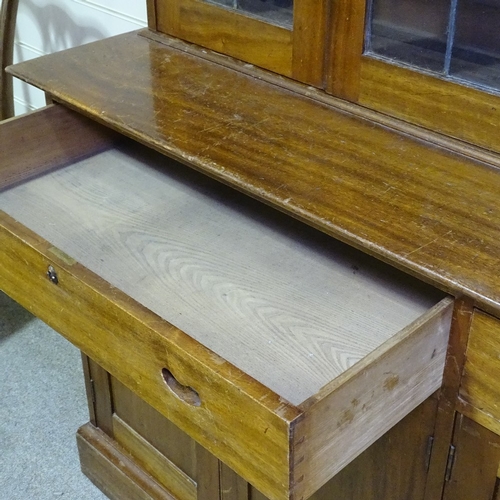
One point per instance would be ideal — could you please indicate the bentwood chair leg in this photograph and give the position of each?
(8, 13)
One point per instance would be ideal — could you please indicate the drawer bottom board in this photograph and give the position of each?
(285, 304)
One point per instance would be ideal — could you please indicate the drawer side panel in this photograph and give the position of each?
(374, 396)
(45, 140)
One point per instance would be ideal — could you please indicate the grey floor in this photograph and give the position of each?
(42, 404)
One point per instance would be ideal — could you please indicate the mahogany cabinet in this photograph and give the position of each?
(281, 265)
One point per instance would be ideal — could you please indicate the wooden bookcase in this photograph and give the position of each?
(383, 173)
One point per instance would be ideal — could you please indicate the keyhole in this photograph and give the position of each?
(52, 275)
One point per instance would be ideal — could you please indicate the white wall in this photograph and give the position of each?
(46, 26)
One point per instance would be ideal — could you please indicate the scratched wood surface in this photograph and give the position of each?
(431, 212)
(238, 35)
(279, 300)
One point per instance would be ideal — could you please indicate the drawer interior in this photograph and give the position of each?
(286, 304)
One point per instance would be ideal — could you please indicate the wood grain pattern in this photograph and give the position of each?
(237, 35)
(347, 28)
(480, 387)
(166, 437)
(459, 111)
(276, 299)
(8, 15)
(477, 456)
(151, 12)
(153, 462)
(45, 140)
(373, 395)
(409, 203)
(309, 40)
(112, 471)
(240, 421)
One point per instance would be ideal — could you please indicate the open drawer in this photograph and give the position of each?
(280, 350)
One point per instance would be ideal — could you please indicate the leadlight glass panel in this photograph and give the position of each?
(476, 47)
(459, 39)
(413, 32)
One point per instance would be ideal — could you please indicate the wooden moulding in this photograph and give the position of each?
(112, 471)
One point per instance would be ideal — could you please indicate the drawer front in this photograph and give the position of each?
(235, 418)
(480, 389)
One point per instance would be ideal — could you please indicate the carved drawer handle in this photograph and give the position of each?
(183, 392)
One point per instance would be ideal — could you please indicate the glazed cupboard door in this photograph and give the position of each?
(284, 36)
(473, 464)
(446, 49)
(392, 55)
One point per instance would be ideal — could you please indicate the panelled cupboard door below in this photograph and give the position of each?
(473, 464)
(393, 468)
